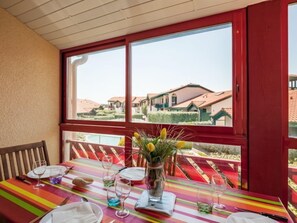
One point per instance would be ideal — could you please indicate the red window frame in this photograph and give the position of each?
(235, 135)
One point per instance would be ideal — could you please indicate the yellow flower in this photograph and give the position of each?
(180, 144)
(163, 134)
(150, 146)
(122, 141)
(136, 135)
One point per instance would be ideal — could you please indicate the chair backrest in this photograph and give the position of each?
(169, 165)
(18, 160)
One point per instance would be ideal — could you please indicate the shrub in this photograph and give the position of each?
(102, 118)
(196, 123)
(144, 109)
(120, 116)
(217, 148)
(137, 116)
(172, 117)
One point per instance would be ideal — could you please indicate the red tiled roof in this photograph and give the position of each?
(293, 105)
(151, 95)
(179, 88)
(293, 77)
(114, 99)
(137, 100)
(206, 99)
(85, 105)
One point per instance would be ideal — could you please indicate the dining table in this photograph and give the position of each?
(21, 203)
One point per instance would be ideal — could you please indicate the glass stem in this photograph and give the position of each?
(219, 199)
(122, 205)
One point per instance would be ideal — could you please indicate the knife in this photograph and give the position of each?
(41, 216)
(122, 169)
(273, 216)
(23, 179)
(68, 170)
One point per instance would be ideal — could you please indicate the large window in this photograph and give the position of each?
(184, 78)
(189, 76)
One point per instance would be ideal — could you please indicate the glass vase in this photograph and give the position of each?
(155, 181)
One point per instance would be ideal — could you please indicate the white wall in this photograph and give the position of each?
(227, 103)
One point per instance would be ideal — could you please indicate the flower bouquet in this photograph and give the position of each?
(156, 150)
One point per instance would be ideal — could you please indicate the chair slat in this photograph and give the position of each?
(19, 163)
(35, 153)
(25, 161)
(5, 167)
(24, 157)
(40, 152)
(30, 157)
(12, 164)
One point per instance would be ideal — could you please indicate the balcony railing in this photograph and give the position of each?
(188, 166)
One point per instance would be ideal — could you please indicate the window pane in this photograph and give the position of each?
(93, 146)
(184, 78)
(293, 70)
(96, 85)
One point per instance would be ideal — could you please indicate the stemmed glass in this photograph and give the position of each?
(122, 189)
(219, 185)
(39, 168)
(107, 162)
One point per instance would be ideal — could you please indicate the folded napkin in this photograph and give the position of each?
(249, 218)
(80, 213)
(165, 206)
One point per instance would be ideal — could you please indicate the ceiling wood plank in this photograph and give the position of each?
(105, 20)
(45, 9)
(95, 14)
(25, 6)
(8, 3)
(151, 6)
(47, 20)
(156, 15)
(78, 8)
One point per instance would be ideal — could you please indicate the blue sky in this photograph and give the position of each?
(201, 56)
(293, 39)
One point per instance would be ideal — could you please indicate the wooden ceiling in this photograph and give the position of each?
(68, 23)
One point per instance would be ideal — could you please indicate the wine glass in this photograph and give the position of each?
(219, 185)
(107, 162)
(122, 189)
(39, 168)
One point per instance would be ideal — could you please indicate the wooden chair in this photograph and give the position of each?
(169, 165)
(17, 160)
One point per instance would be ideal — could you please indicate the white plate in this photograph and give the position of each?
(47, 172)
(133, 173)
(96, 209)
(252, 217)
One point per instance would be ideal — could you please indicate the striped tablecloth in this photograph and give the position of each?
(19, 202)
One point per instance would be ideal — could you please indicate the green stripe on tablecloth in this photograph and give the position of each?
(21, 203)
